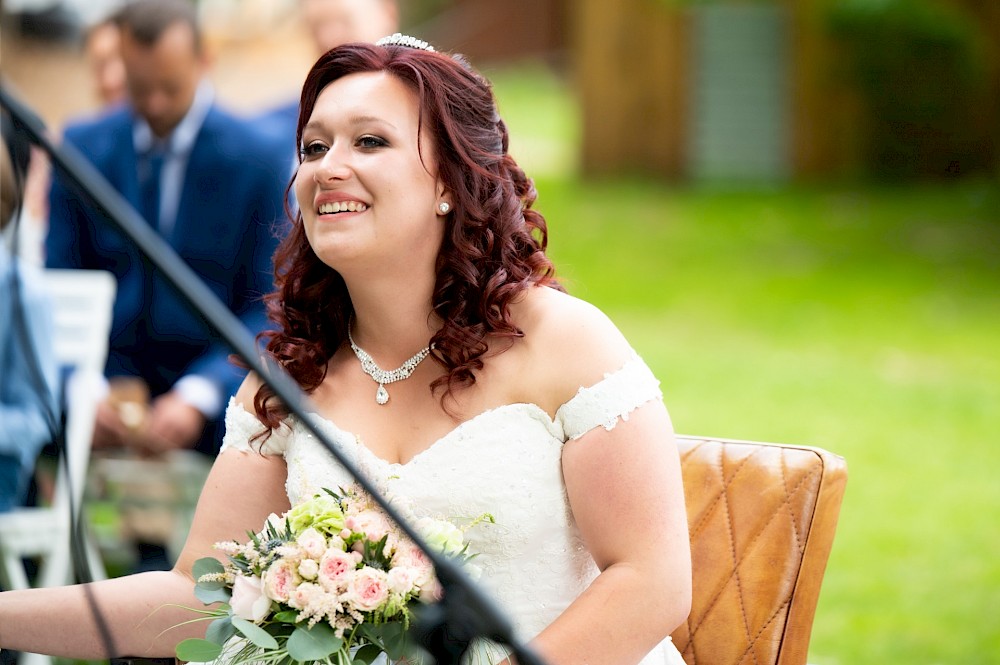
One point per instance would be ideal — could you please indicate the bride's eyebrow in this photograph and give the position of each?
(354, 121)
(369, 119)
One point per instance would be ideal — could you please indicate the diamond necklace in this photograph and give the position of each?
(382, 376)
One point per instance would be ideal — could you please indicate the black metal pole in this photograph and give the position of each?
(479, 614)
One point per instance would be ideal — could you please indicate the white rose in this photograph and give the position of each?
(248, 601)
(309, 568)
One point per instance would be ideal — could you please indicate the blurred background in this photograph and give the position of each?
(792, 209)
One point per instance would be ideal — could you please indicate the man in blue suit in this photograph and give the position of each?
(213, 187)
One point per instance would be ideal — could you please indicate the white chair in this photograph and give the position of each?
(82, 303)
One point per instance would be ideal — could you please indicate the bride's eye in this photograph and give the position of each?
(370, 142)
(314, 149)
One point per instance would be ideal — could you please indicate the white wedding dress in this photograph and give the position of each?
(505, 462)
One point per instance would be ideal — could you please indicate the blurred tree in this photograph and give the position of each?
(921, 69)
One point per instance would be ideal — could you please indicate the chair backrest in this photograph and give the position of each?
(82, 306)
(761, 518)
(82, 302)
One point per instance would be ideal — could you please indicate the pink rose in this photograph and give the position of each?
(336, 566)
(248, 601)
(412, 557)
(280, 580)
(401, 580)
(368, 590)
(373, 524)
(312, 542)
(306, 594)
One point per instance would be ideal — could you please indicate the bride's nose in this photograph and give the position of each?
(335, 165)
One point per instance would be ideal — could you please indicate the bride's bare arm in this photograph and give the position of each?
(625, 490)
(241, 491)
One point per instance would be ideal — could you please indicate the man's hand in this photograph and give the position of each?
(110, 430)
(172, 423)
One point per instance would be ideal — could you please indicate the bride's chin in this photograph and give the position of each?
(338, 257)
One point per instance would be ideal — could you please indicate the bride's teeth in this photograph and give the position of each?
(342, 206)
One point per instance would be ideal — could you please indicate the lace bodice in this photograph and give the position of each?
(505, 462)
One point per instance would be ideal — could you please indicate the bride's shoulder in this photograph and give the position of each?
(243, 426)
(568, 343)
(248, 389)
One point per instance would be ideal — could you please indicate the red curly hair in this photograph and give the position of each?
(493, 248)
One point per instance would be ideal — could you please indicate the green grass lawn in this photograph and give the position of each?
(861, 319)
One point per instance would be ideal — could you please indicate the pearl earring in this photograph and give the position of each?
(444, 207)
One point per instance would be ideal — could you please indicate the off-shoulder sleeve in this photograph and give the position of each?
(242, 427)
(612, 399)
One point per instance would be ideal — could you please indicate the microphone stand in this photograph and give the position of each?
(446, 629)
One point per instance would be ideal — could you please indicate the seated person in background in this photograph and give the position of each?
(28, 371)
(102, 47)
(212, 186)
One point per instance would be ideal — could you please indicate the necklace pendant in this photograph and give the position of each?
(381, 395)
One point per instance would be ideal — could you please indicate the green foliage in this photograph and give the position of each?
(257, 635)
(316, 643)
(208, 566)
(198, 651)
(920, 68)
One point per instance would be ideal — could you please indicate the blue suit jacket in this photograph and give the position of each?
(229, 218)
(280, 123)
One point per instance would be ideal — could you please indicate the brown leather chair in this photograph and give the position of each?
(762, 518)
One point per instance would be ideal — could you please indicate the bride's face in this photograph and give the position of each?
(369, 198)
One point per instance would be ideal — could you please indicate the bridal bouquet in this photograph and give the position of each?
(331, 580)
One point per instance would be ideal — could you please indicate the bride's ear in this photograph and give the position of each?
(444, 199)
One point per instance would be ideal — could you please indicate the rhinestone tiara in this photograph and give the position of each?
(399, 39)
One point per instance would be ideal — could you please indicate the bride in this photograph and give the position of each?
(416, 247)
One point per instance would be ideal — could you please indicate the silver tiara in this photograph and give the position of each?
(399, 39)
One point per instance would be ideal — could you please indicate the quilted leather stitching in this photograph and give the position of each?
(732, 552)
(767, 624)
(761, 530)
(799, 545)
(802, 478)
(706, 516)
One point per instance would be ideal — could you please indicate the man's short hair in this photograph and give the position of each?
(147, 20)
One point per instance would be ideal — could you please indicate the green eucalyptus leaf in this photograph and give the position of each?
(209, 596)
(206, 566)
(396, 640)
(220, 630)
(367, 654)
(254, 633)
(314, 643)
(198, 650)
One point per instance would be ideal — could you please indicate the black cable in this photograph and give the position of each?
(479, 617)
(18, 147)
